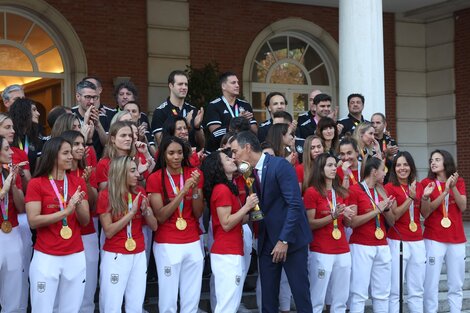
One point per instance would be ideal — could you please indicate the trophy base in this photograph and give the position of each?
(256, 216)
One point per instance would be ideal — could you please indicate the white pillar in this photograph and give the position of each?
(361, 56)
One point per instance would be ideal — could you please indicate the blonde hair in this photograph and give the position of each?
(111, 151)
(117, 184)
(117, 117)
(357, 135)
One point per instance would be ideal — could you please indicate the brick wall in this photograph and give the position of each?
(462, 92)
(114, 38)
(223, 31)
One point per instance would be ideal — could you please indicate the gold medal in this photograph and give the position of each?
(181, 223)
(66, 232)
(413, 227)
(6, 227)
(336, 233)
(379, 233)
(445, 222)
(130, 244)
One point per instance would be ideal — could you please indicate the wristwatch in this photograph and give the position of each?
(195, 196)
(284, 242)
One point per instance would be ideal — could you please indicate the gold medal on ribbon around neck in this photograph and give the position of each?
(445, 222)
(413, 226)
(336, 233)
(66, 232)
(130, 244)
(181, 223)
(379, 233)
(6, 227)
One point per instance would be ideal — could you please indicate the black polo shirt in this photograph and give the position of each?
(306, 125)
(263, 130)
(167, 109)
(104, 120)
(350, 124)
(219, 113)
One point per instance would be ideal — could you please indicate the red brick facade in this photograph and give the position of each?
(224, 31)
(462, 92)
(114, 38)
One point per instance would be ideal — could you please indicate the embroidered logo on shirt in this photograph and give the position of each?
(167, 270)
(432, 260)
(41, 286)
(114, 278)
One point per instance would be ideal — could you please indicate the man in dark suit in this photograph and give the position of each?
(284, 233)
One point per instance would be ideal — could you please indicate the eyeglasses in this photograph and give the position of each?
(88, 97)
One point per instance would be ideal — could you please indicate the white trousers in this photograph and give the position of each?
(454, 256)
(227, 270)
(414, 271)
(285, 294)
(179, 268)
(122, 275)
(333, 270)
(54, 276)
(11, 271)
(92, 253)
(27, 253)
(371, 265)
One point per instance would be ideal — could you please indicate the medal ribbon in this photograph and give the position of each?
(374, 201)
(351, 175)
(129, 208)
(229, 107)
(332, 205)
(26, 144)
(4, 203)
(62, 199)
(445, 204)
(411, 209)
(176, 190)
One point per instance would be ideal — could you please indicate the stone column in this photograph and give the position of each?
(361, 57)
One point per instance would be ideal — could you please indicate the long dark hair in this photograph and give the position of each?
(169, 127)
(275, 138)
(161, 160)
(318, 181)
(449, 164)
(21, 114)
(70, 136)
(49, 155)
(326, 122)
(393, 173)
(373, 163)
(214, 174)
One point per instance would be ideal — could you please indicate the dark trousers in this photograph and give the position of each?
(296, 269)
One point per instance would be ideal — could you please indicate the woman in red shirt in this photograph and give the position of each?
(122, 207)
(444, 235)
(410, 201)
(313, 147)
(57, 205)
(176, 199)
(88, 232)
(349, 168)
(11, 254)
(329, 257)
(371, 259)
(228, 215)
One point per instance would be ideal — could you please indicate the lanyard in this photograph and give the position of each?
(62, 199)
(26, 144)
(129, 207)
(175, 113)
(4, 203)
(374, 201)
(176, 190)
(351, 175)
(445, 204)
(412, 205)
(332, 205)
(229, 107)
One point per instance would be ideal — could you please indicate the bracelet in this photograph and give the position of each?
(333, 216)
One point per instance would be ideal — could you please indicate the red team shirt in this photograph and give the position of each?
(90, 227)
(323, 241)
(102, 169)
(432, 225)
(167, 232)
(12, 213)
(402, 224)
(116, 244)
(365, 234)
(19, 156)
(341, 174)
(49, 240)
(225, 242)
(299, 170)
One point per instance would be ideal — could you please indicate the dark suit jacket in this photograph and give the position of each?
(281, 202)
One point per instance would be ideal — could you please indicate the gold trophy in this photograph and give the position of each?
(246, 169)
